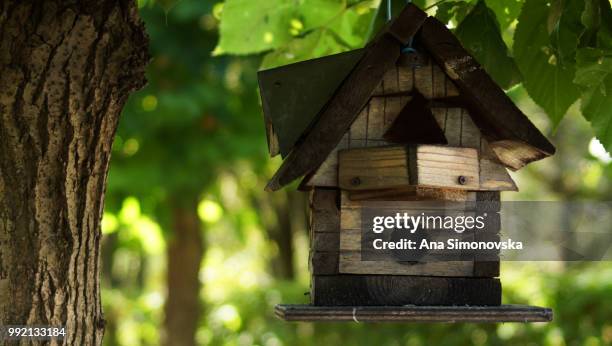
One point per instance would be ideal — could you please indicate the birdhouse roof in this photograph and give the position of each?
(310, 105)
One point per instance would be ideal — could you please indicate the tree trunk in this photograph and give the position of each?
(289, 211)
(66, 69)
(185, 253)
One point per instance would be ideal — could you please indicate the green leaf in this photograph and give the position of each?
(597, 20)
(604, 35)
(453, 10)
(352, 26)
(567, 28)
(592, 67)
(548, 83)
(249, 26)
(318, 13)
(594, 73)
(346, 30)
(316, 44)
(597, 109)
(506, 11)
(479, 33)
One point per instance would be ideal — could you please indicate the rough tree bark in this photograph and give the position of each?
(66, 70)
(185, 252)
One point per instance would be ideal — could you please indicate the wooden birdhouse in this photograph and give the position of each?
(389, 127)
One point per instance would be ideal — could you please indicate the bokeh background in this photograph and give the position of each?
(194, 248)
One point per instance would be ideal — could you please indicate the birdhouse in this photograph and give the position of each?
(411, 118)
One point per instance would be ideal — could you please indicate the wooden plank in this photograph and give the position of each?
(272, 138)
(413, 193)
(327, 242)
(292, 95)
(440, 116)
(324, 199)
(436, 194)
(323, 262)
(395, 194)
(325, 221)
(339, 113)
(393, 107)
(493, 175)
(350, 263)
(446, 314)
(447, 167)
(382, 290)
(399, 166)
(429, 202)
(407, 23)
(488, 200)
(359, 128)
(390, 81)
(439, 82)
(373, 168)
(376, 118)
(460, 130)
(423, 78)
(405, 77)
(324, 231)
(452, 126)
(451, 88)
(327, 174)
(470, 134)
(489, 269)
(514, 139)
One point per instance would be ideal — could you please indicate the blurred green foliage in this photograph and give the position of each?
(196, 131)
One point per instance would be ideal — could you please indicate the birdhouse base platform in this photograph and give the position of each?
(412, 313)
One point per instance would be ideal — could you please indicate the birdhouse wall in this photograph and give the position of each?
(335, 222)
(350, 261)
(339, 277)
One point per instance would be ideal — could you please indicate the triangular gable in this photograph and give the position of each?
(293, 95)
(415, 124)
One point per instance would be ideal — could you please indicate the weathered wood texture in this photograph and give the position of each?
(66, 70)
(514, 139)
(375, 119)
(350, 261)
(378, 125)
(425, 76)
(350, 256)
(272, 138)
(380, 290)
(292, 95)
(343, 108)
(460, 130)
(400, 166)
(324, 231)
(413, 193)
(448, 314)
